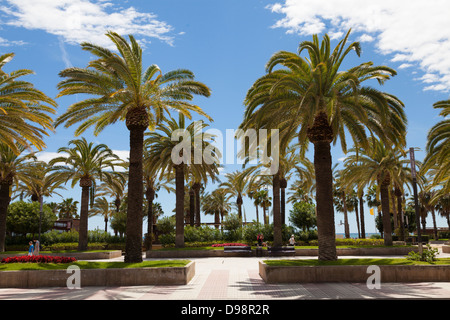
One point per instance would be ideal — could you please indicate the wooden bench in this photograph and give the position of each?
(281, 251)
(238, 250)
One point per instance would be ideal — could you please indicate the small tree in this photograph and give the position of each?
(23, 217)
(303, 216)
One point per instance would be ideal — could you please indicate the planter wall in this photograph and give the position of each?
(446, 249)
(309, 274)
(99, 277)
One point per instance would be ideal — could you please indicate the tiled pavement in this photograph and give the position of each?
(236, 279)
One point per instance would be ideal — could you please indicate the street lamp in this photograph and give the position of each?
(416, 200)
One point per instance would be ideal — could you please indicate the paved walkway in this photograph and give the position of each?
(237, 279)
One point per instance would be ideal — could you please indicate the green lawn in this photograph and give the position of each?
(348, 262)
(93, 265)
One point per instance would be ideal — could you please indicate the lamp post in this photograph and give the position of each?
(416, 201)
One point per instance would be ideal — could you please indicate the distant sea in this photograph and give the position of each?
(353, 235)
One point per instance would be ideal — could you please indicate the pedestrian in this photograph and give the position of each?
(31, 248)
(36, 247)
(260, 238)
(292, 241)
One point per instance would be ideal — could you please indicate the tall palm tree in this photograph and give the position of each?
(123, 90)
(438, 149)
(25, 115)
(114, 186)
(170, 157)
(13, 168)
(315, 96)
(83, 163)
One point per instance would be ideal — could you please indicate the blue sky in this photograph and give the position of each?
(226, 44)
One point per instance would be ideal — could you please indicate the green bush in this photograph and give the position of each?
(429, 255)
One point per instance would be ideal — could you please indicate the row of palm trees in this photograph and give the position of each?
(308, 99)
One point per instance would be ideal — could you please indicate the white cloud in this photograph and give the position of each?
(6, 43)
(410, 30)
(76, 21)
(46, 156)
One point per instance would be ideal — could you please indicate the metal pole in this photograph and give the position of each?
(416, 200)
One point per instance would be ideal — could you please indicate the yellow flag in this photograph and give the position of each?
(371, 211)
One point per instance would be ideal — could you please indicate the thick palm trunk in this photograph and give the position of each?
(321, 135)
(84, 214)
(277, 235)
(106, 225)
(361, 212)
(133, 245)
(217, 220)
(283, 185)
(179, 206)
(4, 203)
(357, 219)
(384, 194)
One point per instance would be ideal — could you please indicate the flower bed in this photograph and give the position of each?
(233, 244)
(38, 259)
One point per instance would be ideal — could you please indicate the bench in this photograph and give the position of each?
(281, 251)
(238, 250)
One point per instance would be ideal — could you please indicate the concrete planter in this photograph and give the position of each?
(376, 251)
(99, 277)
(77, 255)
(446, 249)
(309, 274)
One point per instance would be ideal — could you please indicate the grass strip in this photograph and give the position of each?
(352, 262)
(94, 265)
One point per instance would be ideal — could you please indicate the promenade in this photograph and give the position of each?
(237, 279)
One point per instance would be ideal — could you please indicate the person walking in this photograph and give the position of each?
(36, 247)
(31, 248)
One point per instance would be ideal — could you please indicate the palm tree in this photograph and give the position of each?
(171, 156)
(438, 149)
(114, 186)
(381, 165)
(235, 186)
(217, 203)
(68, 209)
(322, 101)
(124, 91)
(83, 163)
(13, 167)
(103, 208)
(25, 111)
(39, 184)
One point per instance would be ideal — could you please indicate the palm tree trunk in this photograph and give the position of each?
(277, 237)
(133, 245)
(357, 219)
(346, 225)
(239, 205)
(106, 224)
(197, 204)
(84, 214)
(257, 214)
(4, 203)
(433, 215)
(179, 206)
(321, 135)
(191, 207)
(361, 213)
(217, 220)
(150, 195)
(384, 194)
(398, 195)
(283, 185)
